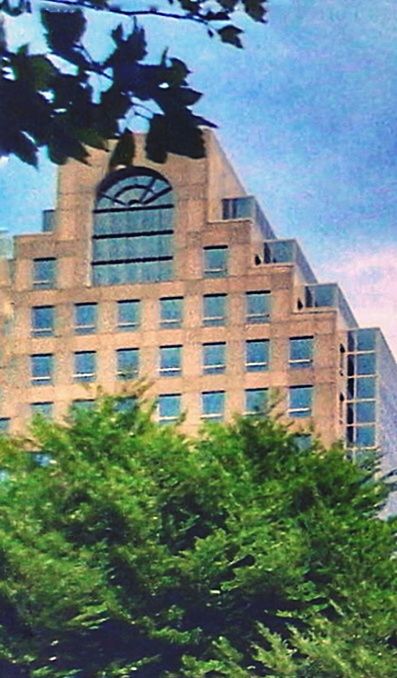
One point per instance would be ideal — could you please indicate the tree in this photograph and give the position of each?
(129, 549)
(66, 101)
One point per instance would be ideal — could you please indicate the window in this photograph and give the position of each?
(133, 228)
(127, 363)
(85, 318)
(126, 403)
(365, 387)
(45, 409)
(84, 366)
(301, 352)
(43, 321)
(215, 261)
(213, 405)
(365, 363)
(128, 314)
(365, 340)
(170, 361)
(214, 309)
(83, 404)
(171, 309)
(256, 400)
(365, 411)
(169, 407)
(44, 272)
(303, 441)
(257, 355)
(41, 368)
(257, 307)
(300, 401)
(365, 436)
(214, 358)
(4, 425)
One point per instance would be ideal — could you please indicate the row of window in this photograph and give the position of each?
(170, 360)
(170, 311)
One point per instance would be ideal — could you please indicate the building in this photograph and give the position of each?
(172, 272)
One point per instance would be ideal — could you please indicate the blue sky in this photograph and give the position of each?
(307, 114)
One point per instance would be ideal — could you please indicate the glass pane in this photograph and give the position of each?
(301, 351)
(214, 358)
(128, 314)
(213, 403)
(215, 261)
(214, 309)
(365, 412)
(83, 404)
(44, 409)
(42, 320)
(257, 355)
(41, 368)
(85, 316)
(256, 400)
(127, 363)
(366, 340)
(365, 387)
(365, 436)
(84, 365)
(303, 441)
(365, 363)
(171, 311)
(170, 361)
(169, 406)
(44, 272)
(300, 401)
(258, 307)
(4, 424)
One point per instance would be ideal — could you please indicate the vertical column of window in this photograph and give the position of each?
(215, 261)
(214, 309)
(257, 355)
(170, 361)
(42, 368)
(85, 318)
(361, 389)
(128, 314)
(43, 320)
(214, 357)
(171, 312)
(127, 363)
(213, 405)
(257, 307)
(44, 272)
(300, 401)
(256, 401)
(301, 352)
(169, 408)
(85, 366)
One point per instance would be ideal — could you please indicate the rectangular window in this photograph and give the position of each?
(127, 363)
(42, 368)
(128, 314)
(214, 358)
(85, 366)
(301, 352)
(45, 409)
(214, 309)
(44, 272)
(365, 412)
(4, 424)
(365, 387)
(256, 400)
(83, 404)
(169, 407)
(171, 311)
(213, 405)
(126, 403)
(215, 261)
(43, 321)
(85, 318)
(365, 436)
(365, 363)
(300, 401)
(257, 307)
(257, 355)
(170, 361)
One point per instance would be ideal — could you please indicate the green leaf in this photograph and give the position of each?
(230, 34)
(124, 151)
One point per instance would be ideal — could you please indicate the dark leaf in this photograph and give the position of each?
(63, 30)
(255, 9)
(156, 143)
(230, 34)
(177, 72)
(124, 151)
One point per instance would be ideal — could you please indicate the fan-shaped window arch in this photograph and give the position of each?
(133, 228)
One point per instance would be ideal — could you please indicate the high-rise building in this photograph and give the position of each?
(172, 273)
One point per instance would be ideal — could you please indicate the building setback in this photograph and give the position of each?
(172, 273)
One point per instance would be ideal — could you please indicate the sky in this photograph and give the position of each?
(307, 115)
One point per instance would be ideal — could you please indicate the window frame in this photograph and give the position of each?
(171, 418)
(46, 282)
(87, 327)
(214, 320)
(171, 323)
(134, 373)
(213, 416)
(47, 331)
(303, 362)
(213, 367)
(257, 366)
(128, 325)
(165, 371)
(253, 317)
(46, 379)
(260, 411)
(210, 271)
(303, 411)
(84, 376)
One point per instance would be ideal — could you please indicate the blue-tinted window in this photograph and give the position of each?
(213, 405)
(170, 361)
(365, 411)
(257, 307)
(85, 318)
(216, 261)
(257, 355)
(171, 311)
(45, 409)
(365, 363)
(43, 321)
(365, 340)
(237, 208)
(4, 424)
(301, 351)
(83, 404)
(128, 314)
(256, 400)
(365, 387)
(42, 365)
(127, 363)
(85, 366)
(365, 436)
(303, 441)
(300, 401)
(214, 309)
(44, 272)
(214, 358)
(169, 407)
(126, 403)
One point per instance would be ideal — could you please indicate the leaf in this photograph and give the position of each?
(155, 145)
(177, 72)
(230, 34)
(93, 138)
(64, 29)
(124, 151)
(255, 9)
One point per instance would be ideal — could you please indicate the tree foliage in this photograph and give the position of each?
(129, 549)
(65, 100)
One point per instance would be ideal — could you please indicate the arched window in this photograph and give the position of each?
(133, 228)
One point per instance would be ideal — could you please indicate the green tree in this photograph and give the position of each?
(129, 549)
(66, 101)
